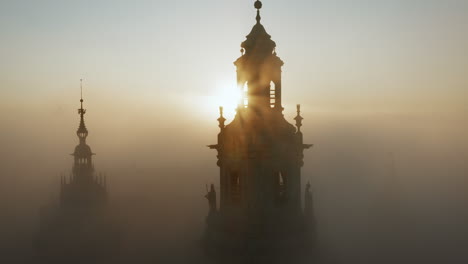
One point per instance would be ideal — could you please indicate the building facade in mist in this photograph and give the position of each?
(260, 156)
(79, 228)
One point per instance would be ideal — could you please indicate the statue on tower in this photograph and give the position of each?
(211, 197)
(308, 201)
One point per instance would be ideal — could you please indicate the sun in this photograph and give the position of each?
(227, 95)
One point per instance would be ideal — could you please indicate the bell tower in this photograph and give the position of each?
(83, 164)
(80, 228)
(84, 189)
(260, 156)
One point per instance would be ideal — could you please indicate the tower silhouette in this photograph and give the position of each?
(84, 191)
(260, 156)
(80, 229)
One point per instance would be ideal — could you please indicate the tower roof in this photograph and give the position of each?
(82, 149)
(258, 39)
(82, 131)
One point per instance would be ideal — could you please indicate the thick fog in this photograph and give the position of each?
(388, 187)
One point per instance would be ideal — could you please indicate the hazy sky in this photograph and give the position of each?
(154, 70)
(340, 55)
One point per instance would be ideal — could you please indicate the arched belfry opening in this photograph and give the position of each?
(245, 95)
(272, 94)
(260, 155)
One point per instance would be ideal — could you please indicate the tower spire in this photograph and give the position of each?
(82, 131)
(81, 111)
(258, 5)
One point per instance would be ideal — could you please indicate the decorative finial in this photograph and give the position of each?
(221, 118)
(82, 132)
(298, 118)
(81, 111)
(258, 5)
(81, 90)
(81, 97)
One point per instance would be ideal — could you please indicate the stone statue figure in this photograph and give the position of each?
(211, 196)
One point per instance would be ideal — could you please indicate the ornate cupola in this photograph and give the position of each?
(260, 155)
(259, 69)
(82, 131)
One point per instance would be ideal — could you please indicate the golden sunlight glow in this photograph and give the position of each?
(228, 96)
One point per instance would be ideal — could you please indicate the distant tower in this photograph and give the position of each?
(260, 156)
(81, 229)
(84, 189)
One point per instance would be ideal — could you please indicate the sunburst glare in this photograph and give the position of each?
(226, 95)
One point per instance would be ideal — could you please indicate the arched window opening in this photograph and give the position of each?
(245, 95)
(272, 94)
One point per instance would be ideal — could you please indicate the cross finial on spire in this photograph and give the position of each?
(82, 131)
(81, 93)
(81, 111)
(258, 6)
